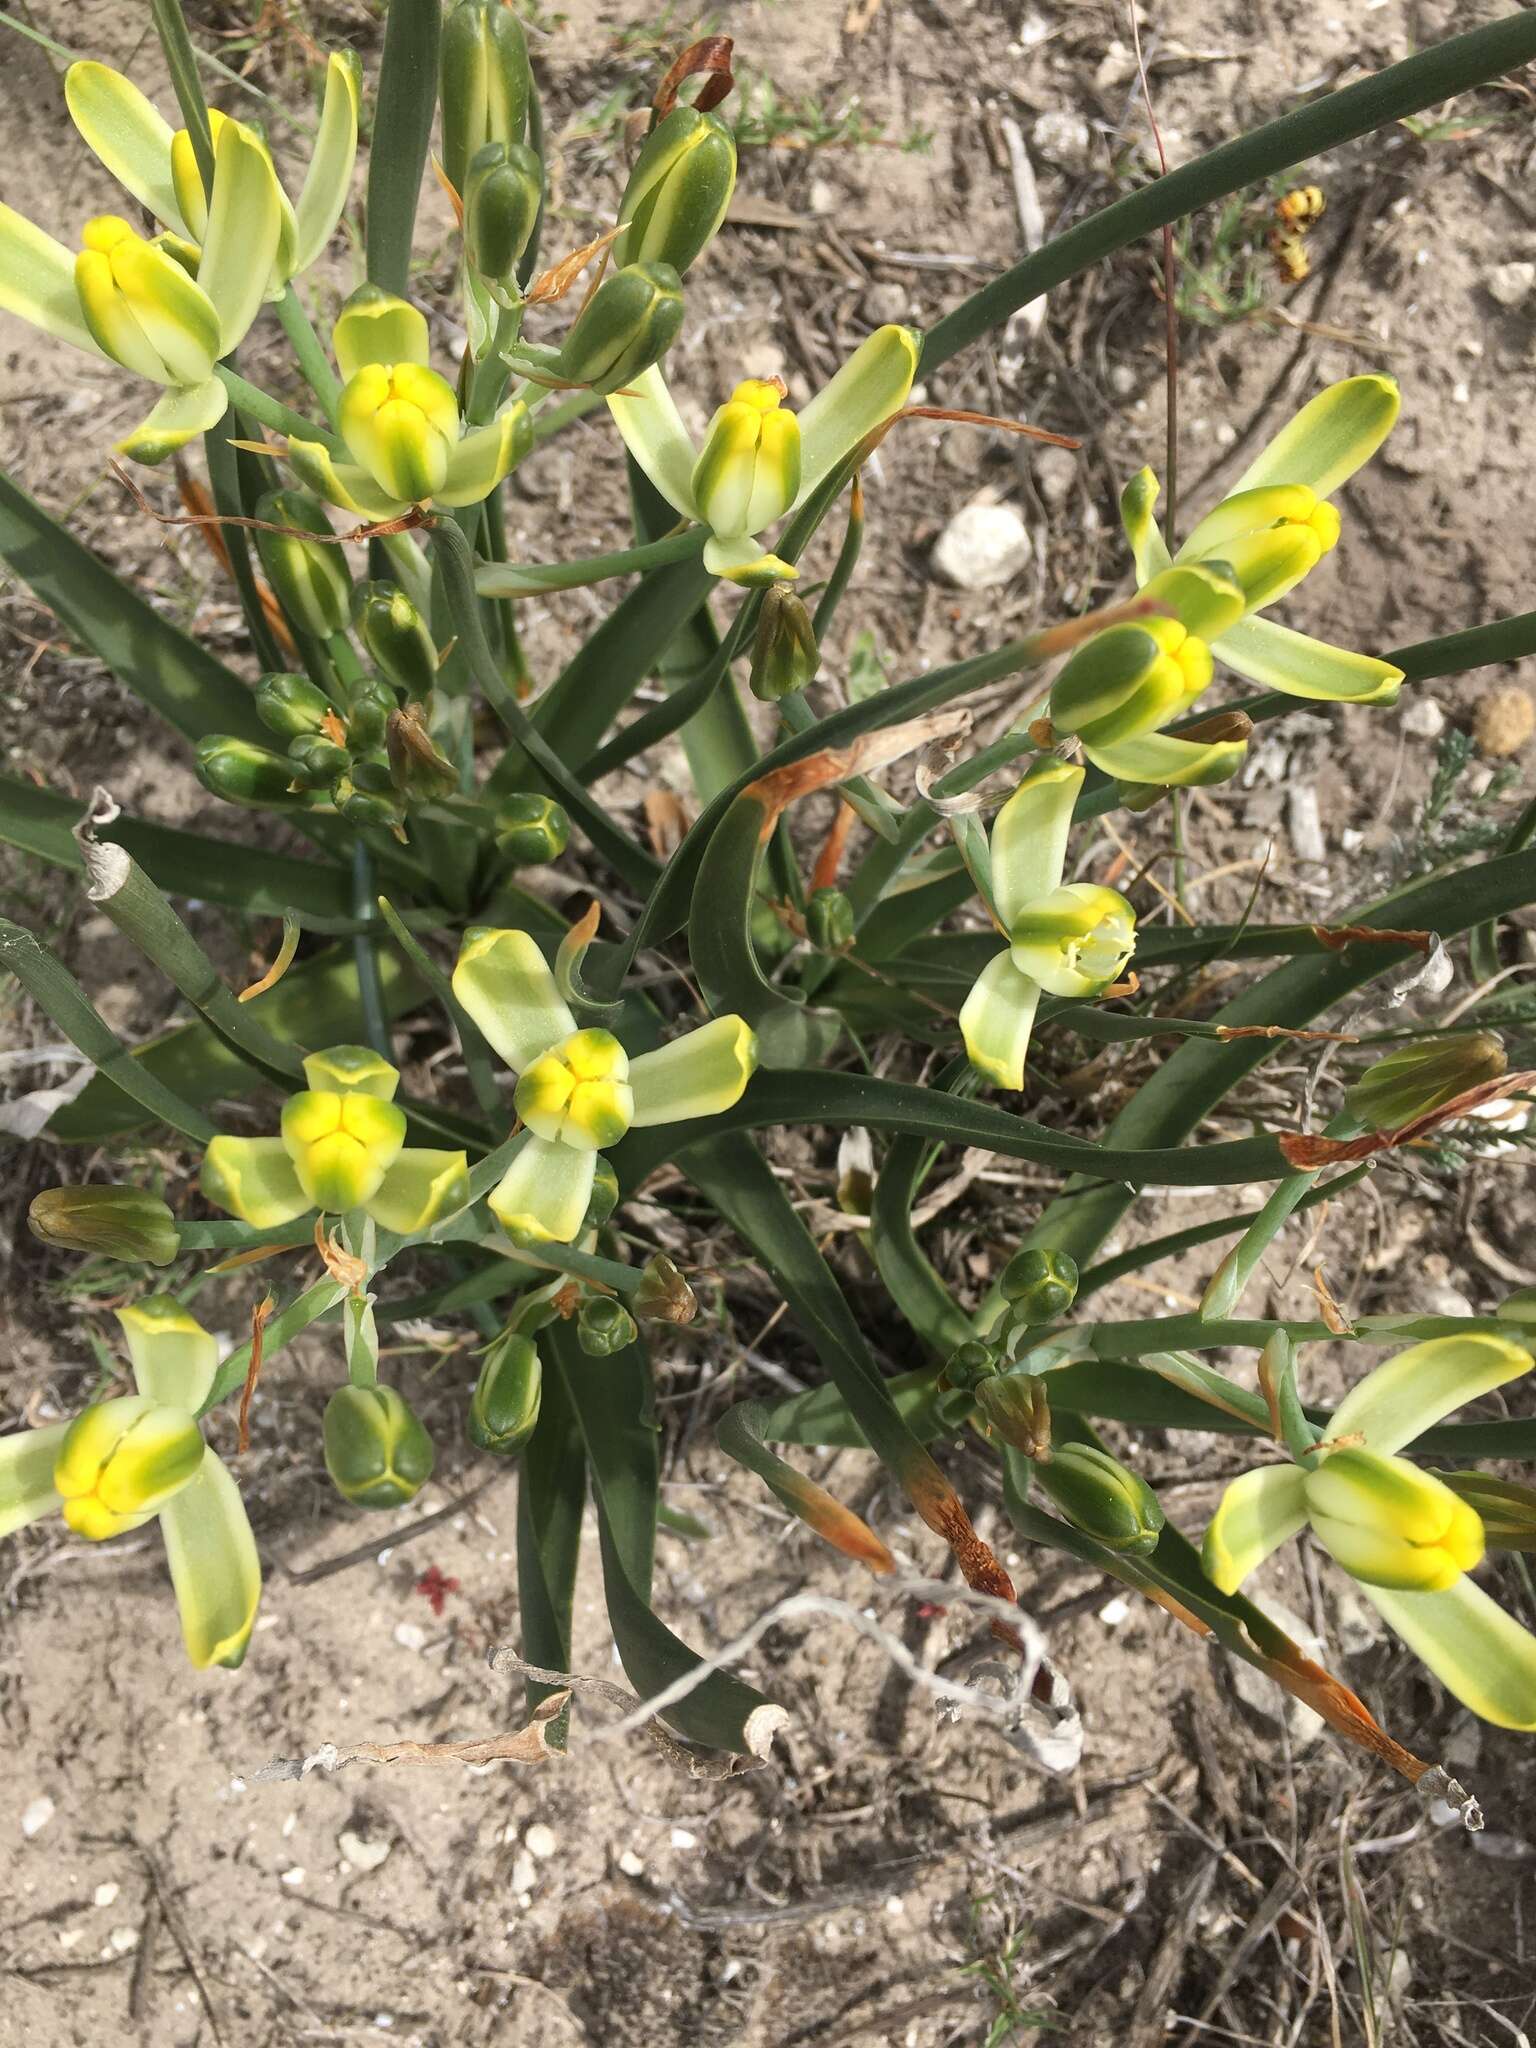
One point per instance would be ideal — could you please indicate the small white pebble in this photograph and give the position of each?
(410, 1635)
(290, 1822)
(37, 1816)
(524, 1874)
(361, 1851)
(68, 1936)
(122, 1939)
(630, 1863)
(682, 1839)
(293, 1876)
(894, 1905)
(104, 1894)
(541, 1841)
(1113, 1612)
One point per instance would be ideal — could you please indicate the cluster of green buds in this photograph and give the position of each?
(341, 1146)
(579, 1091)
(1121, 689)
(1408, 1537)
(1071, 939)
(169, 307)
(141, 1457)
(371, 757)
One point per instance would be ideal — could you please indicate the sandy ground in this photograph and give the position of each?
(890, 1877)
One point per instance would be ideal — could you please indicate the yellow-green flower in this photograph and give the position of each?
(759, 461)
(579, 1091)
(400, 421)
(1406, 1538)
(141, 1458)
(1068, 939)
(341, 1146)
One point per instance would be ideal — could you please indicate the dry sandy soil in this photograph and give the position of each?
(1212, 1871)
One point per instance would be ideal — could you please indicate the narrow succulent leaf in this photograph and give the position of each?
(551, 1497)
(1278, 658)
(1397, 1402)
(740, 1432)
(27, 1458)
(174, 1358)
(1256, 1514)
(37, 282)
(128, 135)
(329, 177)
(996, 1020)
(245, 223)
(1329, 439)
(214, 1566)
(1480, 1654)
(178, 418)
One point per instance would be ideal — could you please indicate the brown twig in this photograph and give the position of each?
(259, 1316)
(378, 529)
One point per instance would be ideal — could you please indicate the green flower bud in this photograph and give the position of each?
(396, 637)
(969, 1364)
(363, 807)
(1413, 1080)
(368, 713)
(604, 1198)
(291, 705)
(309, 576)
(785, 656)
(678, 191)
(317, 760)
(377, 1453)
(417, 766)
(1097, 1494)
(604, 1325)
(1390, 1524)
(501, 208)
(484, 82)
(630, 322)
(372, 772)
(243, 773)
(121, 1461)
(663, 1295)
(1505, 1507)
(113, 1221)
(505, 1404)
(1130, 680)
(1040, 1285)
(531, 830)
(1016, 1406)
(829, 921)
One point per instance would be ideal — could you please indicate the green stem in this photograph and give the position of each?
(369, 992)
(1435, 74)
(314, 1303)
(271, 412)
(526, 579)
(843, 568)
(308, 352)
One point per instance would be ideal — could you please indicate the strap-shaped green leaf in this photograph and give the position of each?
(551, 1494)
(402, 131)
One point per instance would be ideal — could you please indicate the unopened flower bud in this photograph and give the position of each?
(377, 1453)
(396, 637)
(309, 576)
(663, 1295)
(291, 706)
(363, 807)
(316, 759)
(372, 771)
(531, 830)
(604, 1326)
(417, 766)
(1040, 1285)
(829, 921)
(243, 773)
(1413, 1080)
(484, 82)
(368, 711)
(969, 1364)
(505, 1404)
(1388, 1523)
(631, 321)
(678, 191)
(748, 472)
(502, 196)
(1017, 1409)
(121, 1461)
(785, 656)
(115, 1222)
(1099, 1496)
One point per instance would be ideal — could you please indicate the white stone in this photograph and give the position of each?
(525, 1872)
(69, 1936)
(104, 1894)
(1423, 719)
(410, 1635)
(1062, 138)
(682, 1838)
(293, 1877)
(823, 196)
(37, 1816)
(1509, 284)
(630, 1863)
(361, 1852)
(541, 1841)
(1055, 471)
(122, 1939)
(982, 546)
(1113, 1612)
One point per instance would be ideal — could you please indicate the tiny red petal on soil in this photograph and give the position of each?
(435, 1588)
